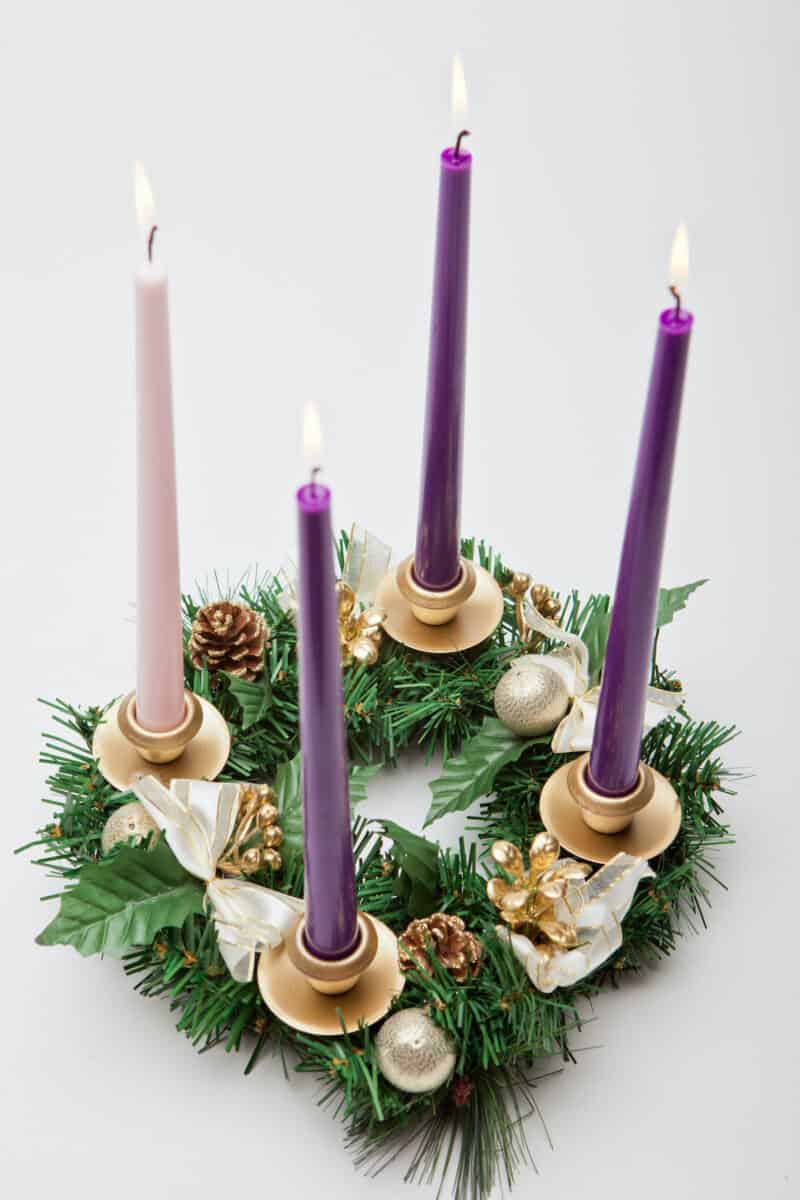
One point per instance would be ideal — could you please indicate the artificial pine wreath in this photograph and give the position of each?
(139, 903)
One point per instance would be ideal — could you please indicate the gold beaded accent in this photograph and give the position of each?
(257, 835)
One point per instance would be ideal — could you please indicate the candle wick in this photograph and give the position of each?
(677, 297)
(457, 148)
(314, 473)
(150, 243)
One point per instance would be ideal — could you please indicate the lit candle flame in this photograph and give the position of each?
(679, 259)
(145, 209)
(458, 94)
(312, 436)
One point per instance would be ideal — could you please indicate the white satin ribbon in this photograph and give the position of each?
(574, 733)
(597, 908)
(287, 596)
(198, 819)
(249, 918)
(365, 565)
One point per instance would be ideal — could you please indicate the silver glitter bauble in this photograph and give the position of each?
(413, 1053)
(128, 821)
(531, 698)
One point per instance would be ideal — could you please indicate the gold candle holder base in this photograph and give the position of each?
(197, 749)
(318, 996)
(597, 827)
(440, 622)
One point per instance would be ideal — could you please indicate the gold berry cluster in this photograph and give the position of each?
(257, 834)
(542, 600)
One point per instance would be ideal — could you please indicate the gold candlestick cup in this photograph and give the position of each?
(596, 827)
(440, 622)
(435, 608)
(321, 996)
(163, 746)
(197, 748)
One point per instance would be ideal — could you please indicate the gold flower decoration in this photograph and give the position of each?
(360, 630)
(536, 901)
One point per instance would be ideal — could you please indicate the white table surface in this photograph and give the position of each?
(293, 153)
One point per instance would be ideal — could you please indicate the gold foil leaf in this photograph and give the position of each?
(508, 857)
(544, 851)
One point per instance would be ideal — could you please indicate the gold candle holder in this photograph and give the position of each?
(321, 996)
(596, 827)
(197, 748)
(440, 622)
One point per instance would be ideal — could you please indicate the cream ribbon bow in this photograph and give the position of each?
(198, 819)
(571, 661)
(596, 907)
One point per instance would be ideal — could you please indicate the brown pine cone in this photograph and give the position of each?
(456, 949)
(229, 637)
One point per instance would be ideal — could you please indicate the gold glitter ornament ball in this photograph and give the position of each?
(413, 1053)
(128, 821)
(531, 698)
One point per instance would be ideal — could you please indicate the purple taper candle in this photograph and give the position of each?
(437, 554)
(330, 889)
(616, 746)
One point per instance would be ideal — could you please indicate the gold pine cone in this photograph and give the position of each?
(229, 637)
(446, 936)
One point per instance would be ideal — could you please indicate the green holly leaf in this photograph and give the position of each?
(255, 699)
(359, 778)
(418, 859)
(471, 773)
(597, 621)
(124, 902)
(289, 789)
(201, 683)
(595, 635)
(672, 600)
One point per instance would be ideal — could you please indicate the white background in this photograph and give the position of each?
(293, 151)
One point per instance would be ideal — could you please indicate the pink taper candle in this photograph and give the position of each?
(159, 635)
